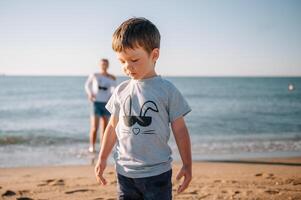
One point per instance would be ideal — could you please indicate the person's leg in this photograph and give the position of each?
(156, 187)
(126, 189)
(93, 132)
(105, 115)
(103, 124)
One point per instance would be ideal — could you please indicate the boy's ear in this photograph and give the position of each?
(155, 54)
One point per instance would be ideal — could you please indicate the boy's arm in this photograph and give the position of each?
(108, 142)
(182, 138)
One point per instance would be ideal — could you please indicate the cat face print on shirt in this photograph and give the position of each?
(138, 124)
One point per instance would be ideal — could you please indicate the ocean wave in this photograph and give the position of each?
(37, 140)
(246, 145)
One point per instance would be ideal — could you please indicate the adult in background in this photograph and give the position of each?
(99, 88)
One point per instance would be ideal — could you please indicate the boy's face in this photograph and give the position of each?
(137, 63)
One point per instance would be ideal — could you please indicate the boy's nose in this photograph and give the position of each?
(129, 67)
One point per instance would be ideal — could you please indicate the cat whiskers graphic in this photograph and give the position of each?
(142, 120)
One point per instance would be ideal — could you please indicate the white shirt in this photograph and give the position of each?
(100, 86)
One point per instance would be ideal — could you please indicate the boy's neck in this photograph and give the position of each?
(147, 76)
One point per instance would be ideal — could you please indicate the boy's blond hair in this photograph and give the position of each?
(136, 32)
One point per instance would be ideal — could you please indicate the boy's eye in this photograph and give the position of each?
(135, 60)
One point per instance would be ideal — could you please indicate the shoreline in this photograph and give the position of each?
(271, 178)
(91, 159)
(285, 160)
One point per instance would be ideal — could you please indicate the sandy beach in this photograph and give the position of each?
(241, 179)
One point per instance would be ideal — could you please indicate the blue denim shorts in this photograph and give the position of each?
(149, 188)
(99, 109)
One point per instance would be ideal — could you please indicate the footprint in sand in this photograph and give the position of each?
(46, 182)
(289, 181)
(22, 192)
(204, 196)
(267, 176)
(80, 190)
(193, 192)
(58, 182)
(259, 174)
(293, 181)
(8, 193)
(52, 182)
(235, 193)
(297, 182)
(249, 192)
(270, 176)
(272, 191)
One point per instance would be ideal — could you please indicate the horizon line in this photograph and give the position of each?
(192, 76)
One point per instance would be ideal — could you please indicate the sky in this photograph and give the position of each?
(198, 37)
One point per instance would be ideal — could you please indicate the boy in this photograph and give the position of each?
(99, 88)
(141, 110)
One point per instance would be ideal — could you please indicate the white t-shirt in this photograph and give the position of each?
(145, 109)
(100, 86)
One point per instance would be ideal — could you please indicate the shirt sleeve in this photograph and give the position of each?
(88, 84)
(177, 105)
(113, 105)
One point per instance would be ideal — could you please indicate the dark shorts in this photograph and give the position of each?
(155, 187)
(99, 109)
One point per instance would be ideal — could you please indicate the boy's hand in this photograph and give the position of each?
(99, 169)
(186, 172)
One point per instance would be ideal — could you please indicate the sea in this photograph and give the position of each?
(44, 120)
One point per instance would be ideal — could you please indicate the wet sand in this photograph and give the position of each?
(236, 179)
